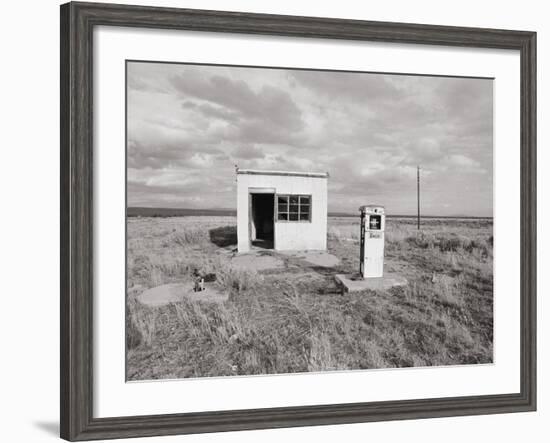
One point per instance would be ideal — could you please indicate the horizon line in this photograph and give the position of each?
(329, 213)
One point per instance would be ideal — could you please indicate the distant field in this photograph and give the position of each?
(187, 212)
(175, 212)
(294, 319)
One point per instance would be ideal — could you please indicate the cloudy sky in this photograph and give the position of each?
(188, 126)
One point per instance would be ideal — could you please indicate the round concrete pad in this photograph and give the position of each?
(256, 262)
(176, 292)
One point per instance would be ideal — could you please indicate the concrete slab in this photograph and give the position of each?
(176, 292)
(257, 261)
(317, 258)
(355, 283)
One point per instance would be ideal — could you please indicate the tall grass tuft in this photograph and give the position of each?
(141, 324)
(190, 236)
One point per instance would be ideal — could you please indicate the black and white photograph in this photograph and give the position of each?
(288, 221)
(229, 221)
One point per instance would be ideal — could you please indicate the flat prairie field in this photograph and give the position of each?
(283, 314)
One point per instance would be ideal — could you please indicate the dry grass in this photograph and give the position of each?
(283, 322)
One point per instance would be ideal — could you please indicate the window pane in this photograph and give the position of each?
(283, 199)
(293, 199)
(282, 208)
(304, 216)
(293, 208)
(304, 199)
(293, 217)
(282, 217)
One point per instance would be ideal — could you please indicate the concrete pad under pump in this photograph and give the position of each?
(356, 283)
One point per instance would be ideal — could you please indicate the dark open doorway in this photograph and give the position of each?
(261, 220)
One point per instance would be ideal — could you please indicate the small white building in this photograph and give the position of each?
(281, 210)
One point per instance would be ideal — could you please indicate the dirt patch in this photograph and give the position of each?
(317, 258)
(257, 262)
(176, 292)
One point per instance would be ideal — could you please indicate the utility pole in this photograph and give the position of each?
(418, 196)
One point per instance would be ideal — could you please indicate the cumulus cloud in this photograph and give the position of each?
(269, 109)
(189, 125)
(247, 152)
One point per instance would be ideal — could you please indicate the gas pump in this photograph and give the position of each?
(373, 224)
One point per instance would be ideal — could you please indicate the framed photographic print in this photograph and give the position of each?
(272, 221)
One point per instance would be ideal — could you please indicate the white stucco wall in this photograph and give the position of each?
(288, 235)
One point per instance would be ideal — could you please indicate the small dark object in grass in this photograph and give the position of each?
(200, 279)
(209, 277)
(199, 285)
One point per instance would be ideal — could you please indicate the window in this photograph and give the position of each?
(294, 208)
(375, 222)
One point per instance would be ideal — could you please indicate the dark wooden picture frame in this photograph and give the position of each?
(77, 24)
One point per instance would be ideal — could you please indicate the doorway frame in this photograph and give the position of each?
(259, 190)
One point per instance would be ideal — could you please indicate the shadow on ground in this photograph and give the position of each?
(49, 427)
(223, 236)
(263, 244)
